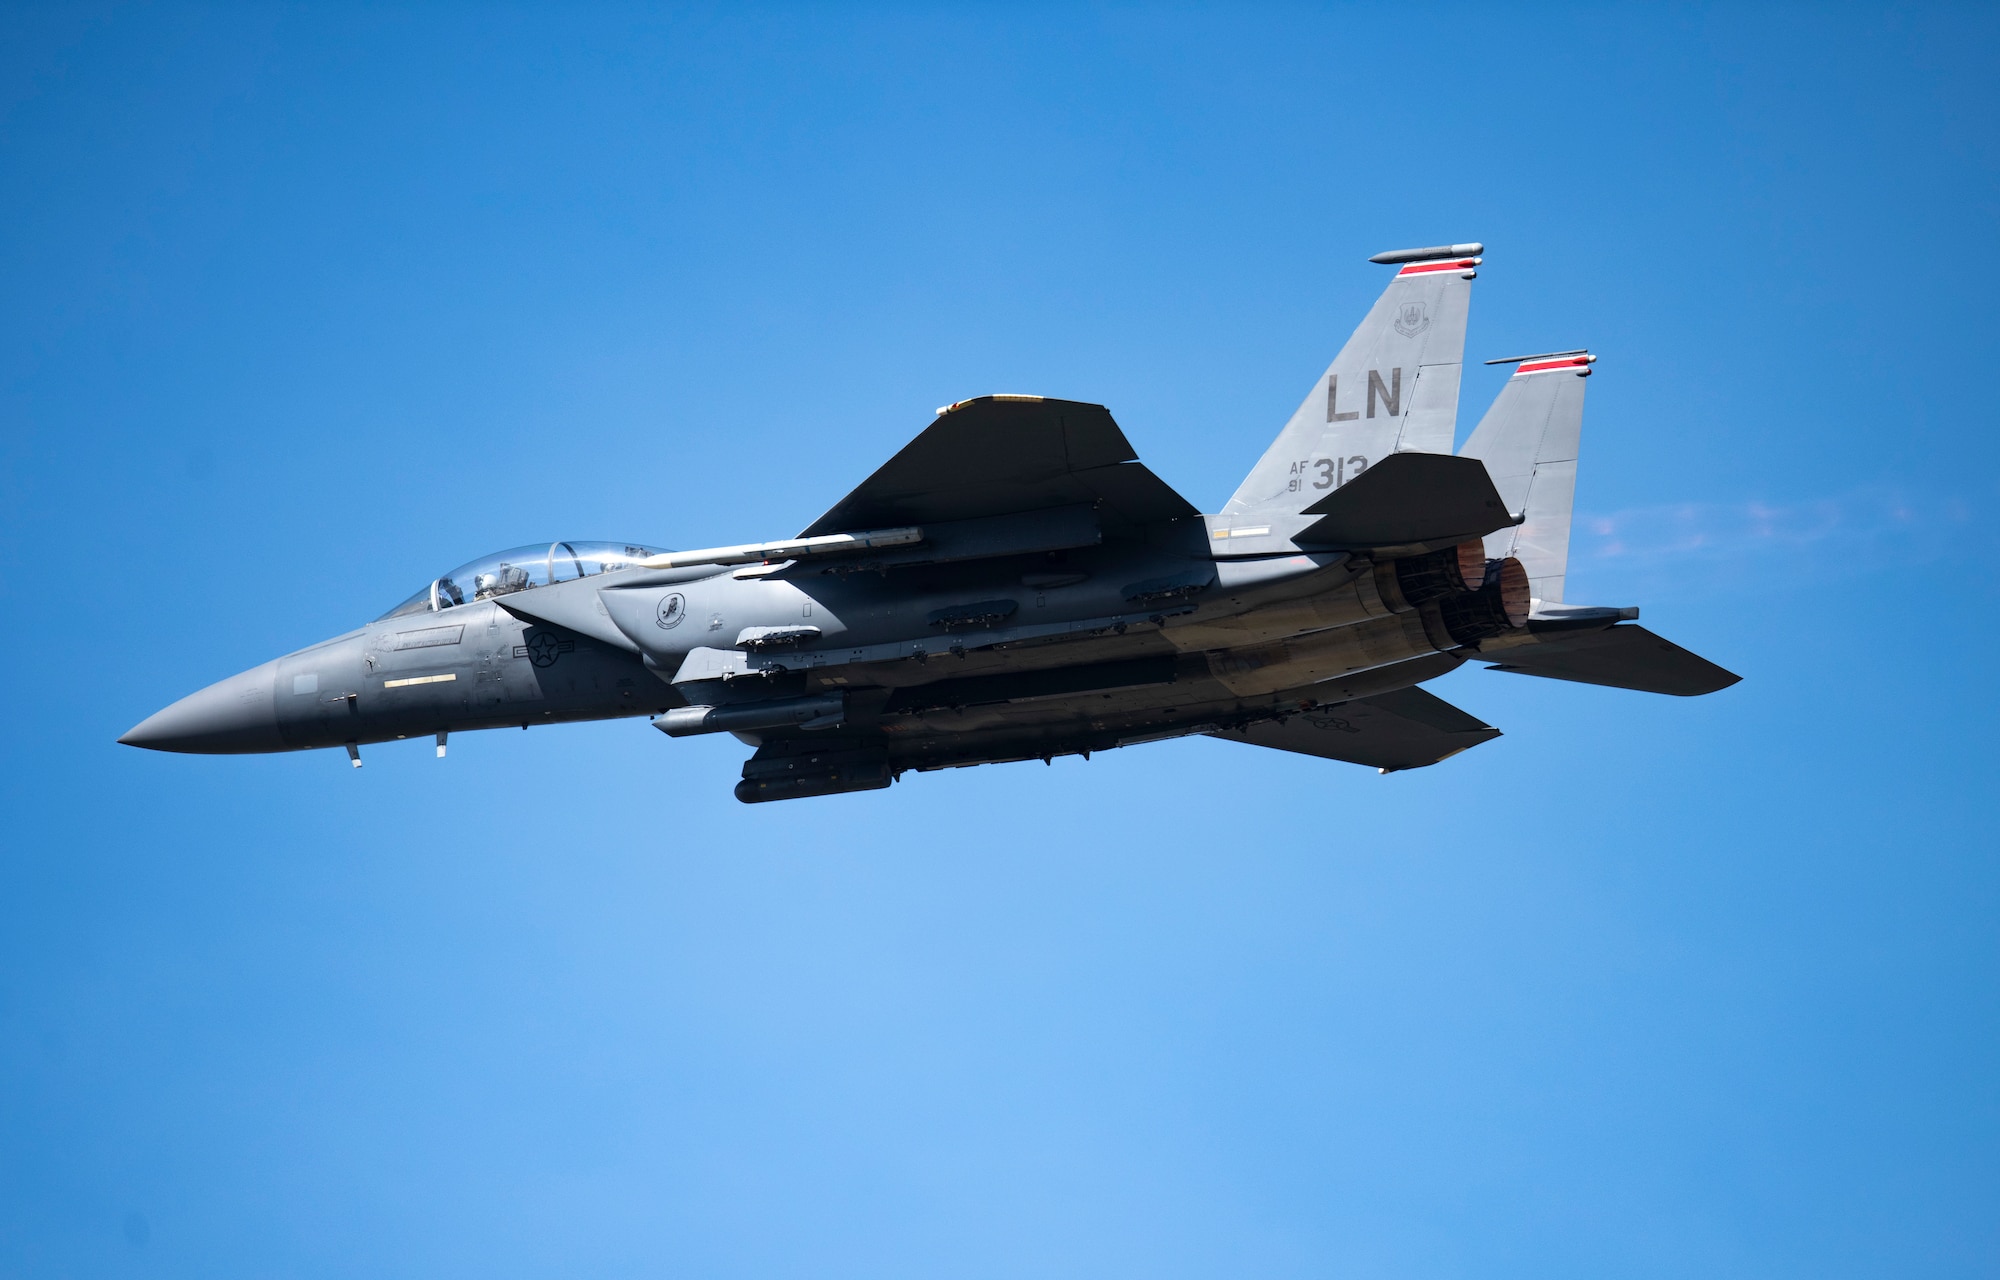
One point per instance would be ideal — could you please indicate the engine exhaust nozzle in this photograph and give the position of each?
(1438, 574)
(1500, 604)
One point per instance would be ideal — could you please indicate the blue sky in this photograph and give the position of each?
(308, 304)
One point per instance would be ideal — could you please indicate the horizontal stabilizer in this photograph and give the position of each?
(1408, 498)
(1406, 729)
(1623, 657)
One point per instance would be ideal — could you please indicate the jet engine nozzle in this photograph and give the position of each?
(1438, 574)
(1500, 604)
(827, 711)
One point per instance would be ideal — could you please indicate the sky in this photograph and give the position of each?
(306, 304)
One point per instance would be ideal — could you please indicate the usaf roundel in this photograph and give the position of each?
(544, 649)
(672, 609)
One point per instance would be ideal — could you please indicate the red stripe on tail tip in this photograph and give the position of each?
(1578, 362)
(1419, 269)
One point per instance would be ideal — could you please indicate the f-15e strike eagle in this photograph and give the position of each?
(1016, 585)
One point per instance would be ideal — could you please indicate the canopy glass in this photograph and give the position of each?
(521, 569)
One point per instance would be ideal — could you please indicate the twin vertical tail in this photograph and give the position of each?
(1528, 441)
(1393, 387)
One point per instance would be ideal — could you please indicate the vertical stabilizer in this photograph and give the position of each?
(1528, 441)
(1393, 387)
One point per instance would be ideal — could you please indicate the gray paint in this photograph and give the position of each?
(1416, 327)
(1528, 441)
(1622, 657)
(1034, 591)
(1405, 729)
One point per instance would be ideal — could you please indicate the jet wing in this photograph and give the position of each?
(1623, 657)
(1003, 455)
(1406, 729)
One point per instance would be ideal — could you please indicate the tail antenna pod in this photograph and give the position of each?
(1392, 256)
(1577, 359)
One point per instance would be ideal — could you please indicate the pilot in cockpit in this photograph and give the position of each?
(521, 569)
(505, 580)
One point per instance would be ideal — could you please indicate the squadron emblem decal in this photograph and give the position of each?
(672, 609)
(1412, 319)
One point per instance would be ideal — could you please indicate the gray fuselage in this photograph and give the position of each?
(1076, 650)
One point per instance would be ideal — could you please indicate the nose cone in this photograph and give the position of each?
(229, 717)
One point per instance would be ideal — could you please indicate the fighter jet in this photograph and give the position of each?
(1015, 585)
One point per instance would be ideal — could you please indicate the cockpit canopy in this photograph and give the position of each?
(521, 569)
